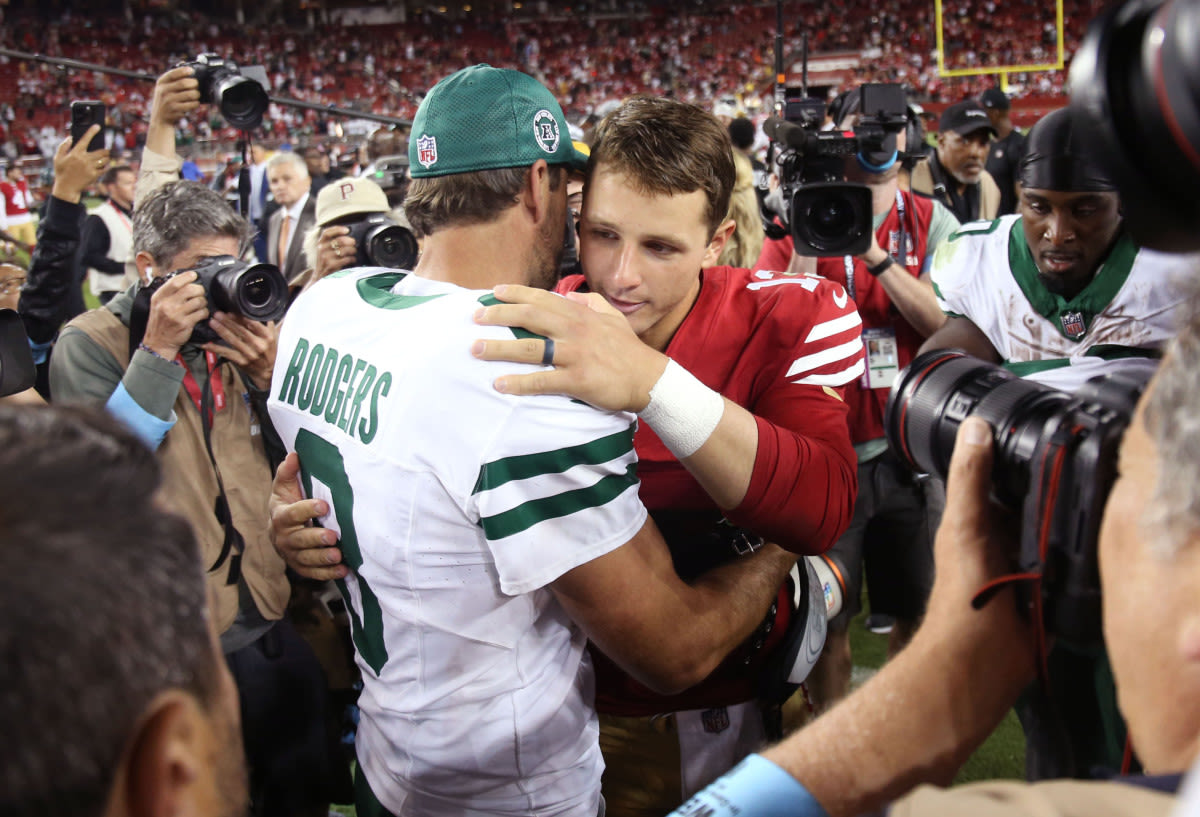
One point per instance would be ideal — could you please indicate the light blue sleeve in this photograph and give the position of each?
(756, 787)
(40, 351)
(145, 425)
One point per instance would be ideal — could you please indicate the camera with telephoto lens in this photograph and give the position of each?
(382, 242)
(242, 100)
(255, 291)
(827, 215)
(1054, 464)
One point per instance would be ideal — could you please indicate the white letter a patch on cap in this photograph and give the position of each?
(427, 151)
(545, 130)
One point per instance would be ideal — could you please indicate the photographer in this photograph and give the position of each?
(921, 716)
(201, 405)
(895, 513)
(329, 245)
(108, 235)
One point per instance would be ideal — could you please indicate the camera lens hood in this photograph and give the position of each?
(1135, 98)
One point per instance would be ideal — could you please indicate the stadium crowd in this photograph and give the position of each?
(699, 54)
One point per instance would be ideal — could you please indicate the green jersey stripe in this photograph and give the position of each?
(1116, 351)
(530, 513)
(494, 474)
(520, 332)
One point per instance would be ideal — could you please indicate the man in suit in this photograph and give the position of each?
(287, 174)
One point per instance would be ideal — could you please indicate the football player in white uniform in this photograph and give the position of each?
(1058, 292)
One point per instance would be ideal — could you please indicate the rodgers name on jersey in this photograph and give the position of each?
(335, 387)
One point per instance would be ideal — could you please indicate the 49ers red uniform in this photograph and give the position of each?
(782, 346)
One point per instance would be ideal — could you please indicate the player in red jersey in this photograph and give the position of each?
(737, 377)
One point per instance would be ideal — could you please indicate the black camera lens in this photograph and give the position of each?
(937, 391)
(243, 101)
(831, 218)
(1134, 94)
(256, 292)
(387, 244)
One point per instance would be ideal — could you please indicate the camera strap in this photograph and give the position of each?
(234, 544)
(901, 254)
(194, 391)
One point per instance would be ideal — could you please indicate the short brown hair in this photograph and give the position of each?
(461, 199)
(667, 147)
(110, 175)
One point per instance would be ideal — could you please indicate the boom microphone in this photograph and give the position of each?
(780, 130)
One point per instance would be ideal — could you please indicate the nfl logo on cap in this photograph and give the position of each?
(427, 151)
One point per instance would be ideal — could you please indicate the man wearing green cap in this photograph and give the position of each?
(486, 537)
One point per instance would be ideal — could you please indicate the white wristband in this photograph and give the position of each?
(682, 411)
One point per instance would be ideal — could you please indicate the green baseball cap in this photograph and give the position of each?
(484, 118)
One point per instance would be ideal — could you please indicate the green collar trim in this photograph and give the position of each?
(377, 291)
(1072, 318)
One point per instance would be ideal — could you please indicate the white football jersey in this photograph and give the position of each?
(986, 273)
(456, 506)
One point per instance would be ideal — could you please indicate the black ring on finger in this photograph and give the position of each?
(548, 353)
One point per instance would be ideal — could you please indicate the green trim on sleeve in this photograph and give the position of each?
(942, 225)
(522, 334)
(1024, 368)
(557, 506)
(605, 449)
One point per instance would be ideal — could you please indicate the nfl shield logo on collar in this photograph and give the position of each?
(715, 720)
(427, 151)
(1073, 325)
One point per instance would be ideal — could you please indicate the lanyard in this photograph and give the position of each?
(902, 254)
(193, 388)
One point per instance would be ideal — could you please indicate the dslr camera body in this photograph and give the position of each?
(255, 291)
(242, 100)
(827, 215)
(1054, 465)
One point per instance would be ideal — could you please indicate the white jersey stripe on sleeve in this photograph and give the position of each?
(836, 326)
(836, 379)
(824, 357)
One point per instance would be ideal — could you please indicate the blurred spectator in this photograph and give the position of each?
(18, 201)
(290, 183)
(107, 242)
(1007, 150)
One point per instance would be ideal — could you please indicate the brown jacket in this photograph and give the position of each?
(989, 193)
(190, 484)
